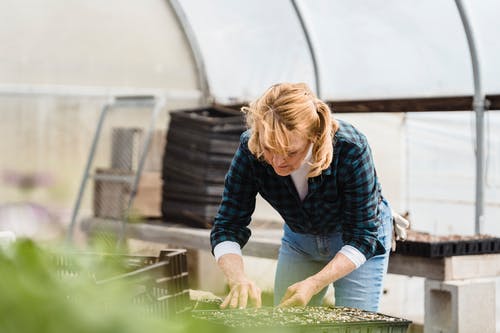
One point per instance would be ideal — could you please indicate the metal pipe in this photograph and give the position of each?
(81, 191)
(479, 107)
(310, 44)
(94, 92)
(195, 49)
(160, 105)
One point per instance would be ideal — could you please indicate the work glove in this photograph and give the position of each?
(400, 226)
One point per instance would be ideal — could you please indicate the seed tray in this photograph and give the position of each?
(207, 304)
(197, 156)
(299, 319)
(190, 208)
(175, 159)
(160, 283)
(189, 213)
(191, 198)
(200, 146)
(214, 119)
(172, 173)
(201, 142)
(176, 184)
(185, 127)
(188, 171)
(436, 247)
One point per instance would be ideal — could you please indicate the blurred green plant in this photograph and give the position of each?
(36, 296)
(58, 290)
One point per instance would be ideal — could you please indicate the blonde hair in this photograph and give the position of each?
(288, 109)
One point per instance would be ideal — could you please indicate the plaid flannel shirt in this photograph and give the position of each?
(344, 198)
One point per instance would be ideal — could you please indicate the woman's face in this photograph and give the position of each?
(284, 165)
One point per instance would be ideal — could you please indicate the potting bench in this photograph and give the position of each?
(459, 290)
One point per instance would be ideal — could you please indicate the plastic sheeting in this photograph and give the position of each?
(249, 45)
(440, 185)
(365, 49)
(87, 47)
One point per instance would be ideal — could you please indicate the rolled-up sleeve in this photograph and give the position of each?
(361, 197)
(238, 201)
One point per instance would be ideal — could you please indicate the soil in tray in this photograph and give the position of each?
(297, 317)
(433, 246)
(419, 236)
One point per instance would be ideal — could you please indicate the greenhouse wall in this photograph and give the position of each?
(61, 61)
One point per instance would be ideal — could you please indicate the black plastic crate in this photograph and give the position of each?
(182, 160)
(191, 198)
(190, 204)
(186, 171)
(199, 150)
(178, 175)
(178, 127)
(202, 142)
(160, 283)
(189, 213)
(197, 156)
(306, 319)
(176, 184)
(214, 120)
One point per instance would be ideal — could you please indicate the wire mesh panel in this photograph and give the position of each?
(123, 161)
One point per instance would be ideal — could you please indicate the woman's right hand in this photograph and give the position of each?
(242, 291)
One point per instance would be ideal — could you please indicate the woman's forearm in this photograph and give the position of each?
(336, 269)
(232, 266)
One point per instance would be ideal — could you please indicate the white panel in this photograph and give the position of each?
(441, 172)
(367, 49)
(120, 43)
(249, 45)
(390, 48)
(483, 16)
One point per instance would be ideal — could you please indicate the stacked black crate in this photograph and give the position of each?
(200, 146)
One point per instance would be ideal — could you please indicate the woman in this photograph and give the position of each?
(318, 173)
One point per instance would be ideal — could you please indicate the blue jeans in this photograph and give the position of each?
(303, 255)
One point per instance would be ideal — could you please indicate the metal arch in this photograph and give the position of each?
(195, 49)
(310, 44)
(479, 107)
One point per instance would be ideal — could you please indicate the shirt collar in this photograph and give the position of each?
(303, 170)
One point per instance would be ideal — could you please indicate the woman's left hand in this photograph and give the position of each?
(300, 293)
